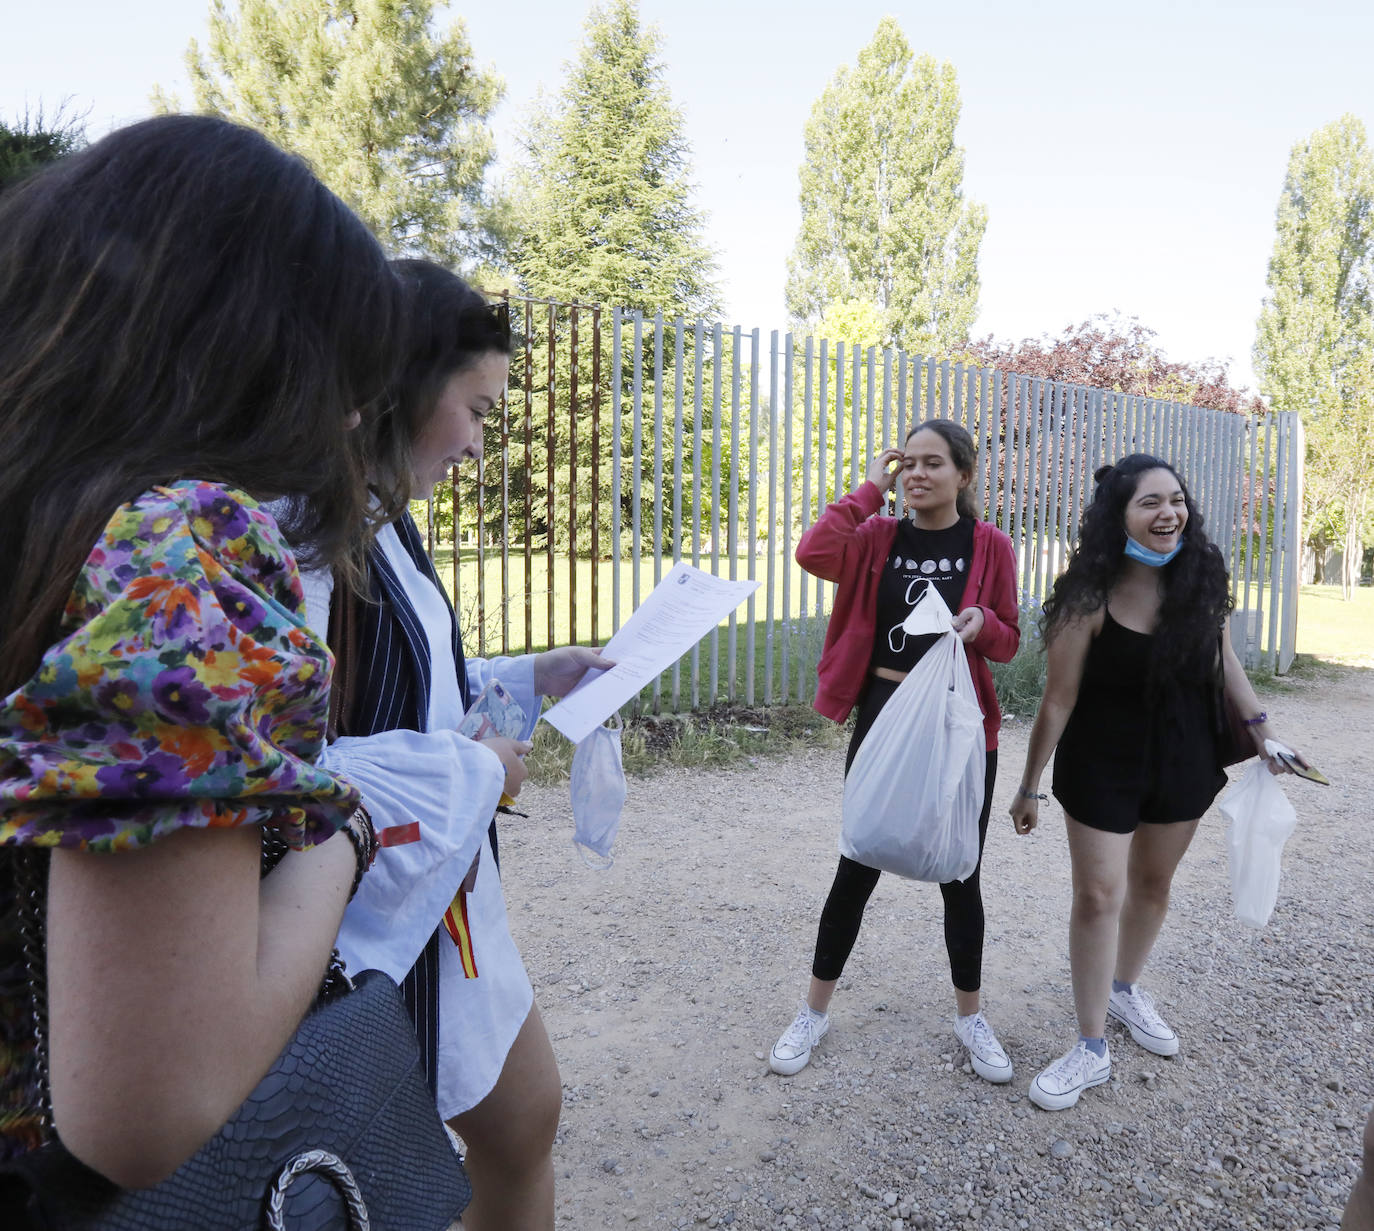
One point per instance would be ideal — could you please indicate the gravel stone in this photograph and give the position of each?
(674, 971)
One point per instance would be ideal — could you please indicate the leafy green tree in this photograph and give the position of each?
(1316, 328)
(856, 321)
(606, 217)
(572, 421)
(607, 212)
(32, 141)
(391, 111)
(883, 211)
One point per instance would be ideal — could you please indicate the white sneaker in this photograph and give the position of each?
(1060, 1085)
(792, 1052)
(989, 1061)
(1134, 1009)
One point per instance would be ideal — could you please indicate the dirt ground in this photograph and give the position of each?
(665, 980)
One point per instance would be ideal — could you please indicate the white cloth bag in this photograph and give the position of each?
(914, 792)
(1261, 821)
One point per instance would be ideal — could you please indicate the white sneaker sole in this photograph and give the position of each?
(785, 1066)
(1160, 1047)
(998, 1076)
(788, 1068)
(1048, 1101)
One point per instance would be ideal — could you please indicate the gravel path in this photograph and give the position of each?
(665, 980)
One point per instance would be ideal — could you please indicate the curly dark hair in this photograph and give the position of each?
(1196, 591)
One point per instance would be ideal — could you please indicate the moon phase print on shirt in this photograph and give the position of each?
(917, 560)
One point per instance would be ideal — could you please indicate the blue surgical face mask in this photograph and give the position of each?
(1155, 559)
(598, 793)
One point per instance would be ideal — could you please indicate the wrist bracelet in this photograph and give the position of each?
(273, 851)
(363, 837)
(1025, 794)
(1259, 718)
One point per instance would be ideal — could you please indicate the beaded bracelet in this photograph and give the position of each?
(1025, 794)
(360, 832)
(1259, 718)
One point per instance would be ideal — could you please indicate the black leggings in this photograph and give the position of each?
(854, 883)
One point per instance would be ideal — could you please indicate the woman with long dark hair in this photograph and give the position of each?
(427, 914)
(1135, 637)
(190, 322)
(883, 566)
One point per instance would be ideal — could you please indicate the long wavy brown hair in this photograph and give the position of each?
(180, 300)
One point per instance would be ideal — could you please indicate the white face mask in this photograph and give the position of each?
(598, 793)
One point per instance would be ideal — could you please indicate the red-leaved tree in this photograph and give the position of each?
(1119, 354)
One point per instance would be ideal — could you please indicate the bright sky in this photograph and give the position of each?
(1130, 156)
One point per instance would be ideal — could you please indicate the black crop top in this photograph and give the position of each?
(918, 558)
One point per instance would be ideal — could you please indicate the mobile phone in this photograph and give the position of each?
(1302, 768)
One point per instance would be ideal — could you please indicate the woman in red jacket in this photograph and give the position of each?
(882, 564)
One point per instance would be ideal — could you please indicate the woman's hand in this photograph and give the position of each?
(512, 753)
(557, 672)
(884, 469)
(1025, 810)
(1261, 733)
(969, 623)
(1277, 765)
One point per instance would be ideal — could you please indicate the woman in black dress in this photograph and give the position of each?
(1135, 637)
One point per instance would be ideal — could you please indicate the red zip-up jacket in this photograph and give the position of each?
(849, 545)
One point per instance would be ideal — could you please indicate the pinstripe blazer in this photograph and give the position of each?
(392, 671)
(391, 675)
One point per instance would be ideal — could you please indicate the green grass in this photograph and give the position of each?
(661, 731)
(725, 735)
(1335, 630)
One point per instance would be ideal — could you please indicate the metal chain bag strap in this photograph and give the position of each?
(342, 1133)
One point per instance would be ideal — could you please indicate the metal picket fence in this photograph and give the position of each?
(629, 442)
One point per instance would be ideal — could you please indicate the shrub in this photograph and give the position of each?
(1021, 683)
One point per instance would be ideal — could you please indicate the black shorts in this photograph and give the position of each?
(1094, 794)
(1121, 812)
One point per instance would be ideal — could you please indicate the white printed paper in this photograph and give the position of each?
(680, 611)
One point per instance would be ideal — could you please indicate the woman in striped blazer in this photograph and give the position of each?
(433, 916)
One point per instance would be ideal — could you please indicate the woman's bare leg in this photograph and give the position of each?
(1359, 1210)
(1099, 887)
(1155, 854)
(509, 1138)
(819, 993)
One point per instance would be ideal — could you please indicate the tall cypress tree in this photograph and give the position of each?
(606, 192)
(1314, 349)
(883, 212)
(390, 111)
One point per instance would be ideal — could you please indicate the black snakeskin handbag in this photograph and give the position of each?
(342, 1133)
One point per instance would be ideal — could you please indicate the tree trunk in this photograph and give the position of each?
(1354, 557)
(1349, 564)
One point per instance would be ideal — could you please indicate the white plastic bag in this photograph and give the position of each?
(915, 789)
(597, 785)
(1261, 821)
